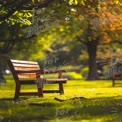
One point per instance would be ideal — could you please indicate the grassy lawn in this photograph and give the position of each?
(84, 101)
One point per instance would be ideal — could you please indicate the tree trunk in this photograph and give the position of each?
(2, 79)
(92, 49)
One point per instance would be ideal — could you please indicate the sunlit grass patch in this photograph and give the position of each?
(83, 101)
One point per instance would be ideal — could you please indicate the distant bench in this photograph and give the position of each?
(115, 77)
(29, 72)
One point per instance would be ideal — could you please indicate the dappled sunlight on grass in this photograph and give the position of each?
(83, 101)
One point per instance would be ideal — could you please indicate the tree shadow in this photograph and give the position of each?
(44, 104)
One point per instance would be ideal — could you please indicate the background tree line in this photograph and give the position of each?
(83, 26)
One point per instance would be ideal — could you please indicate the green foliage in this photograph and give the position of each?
(84, 72)
(80, 22)
(73, 75)
(70, 75)
(29, 50)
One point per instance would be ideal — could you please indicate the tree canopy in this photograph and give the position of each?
(89, 22)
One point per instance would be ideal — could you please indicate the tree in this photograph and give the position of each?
(5, 47)
(6, 44)
(98, 19)
(98, 22)
(101, 19)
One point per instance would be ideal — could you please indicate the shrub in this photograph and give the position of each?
(73, 75)
(84, 72)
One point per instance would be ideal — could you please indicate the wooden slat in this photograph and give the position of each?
(23, 62)
(25, 68)
(28, 71)
(29, 76)
(25, 65)
(117, 77)
(117, 74)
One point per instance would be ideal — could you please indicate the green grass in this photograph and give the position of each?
(100, 103)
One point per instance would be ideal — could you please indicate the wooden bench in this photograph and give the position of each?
(115, 77)
(29, 72)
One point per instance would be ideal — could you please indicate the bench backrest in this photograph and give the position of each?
(23, 69)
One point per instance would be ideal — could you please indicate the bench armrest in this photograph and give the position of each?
(39, 73)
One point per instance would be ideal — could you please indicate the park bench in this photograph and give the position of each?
(29, 72)
(115, 77)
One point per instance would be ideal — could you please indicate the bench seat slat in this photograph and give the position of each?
(27, 76)
(27, 71)
(25, 68)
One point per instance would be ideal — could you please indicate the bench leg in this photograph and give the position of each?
(113, 82)
(17, 92)
(61, 89)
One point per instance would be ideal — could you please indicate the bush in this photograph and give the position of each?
(84, 72)
(73, 75)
